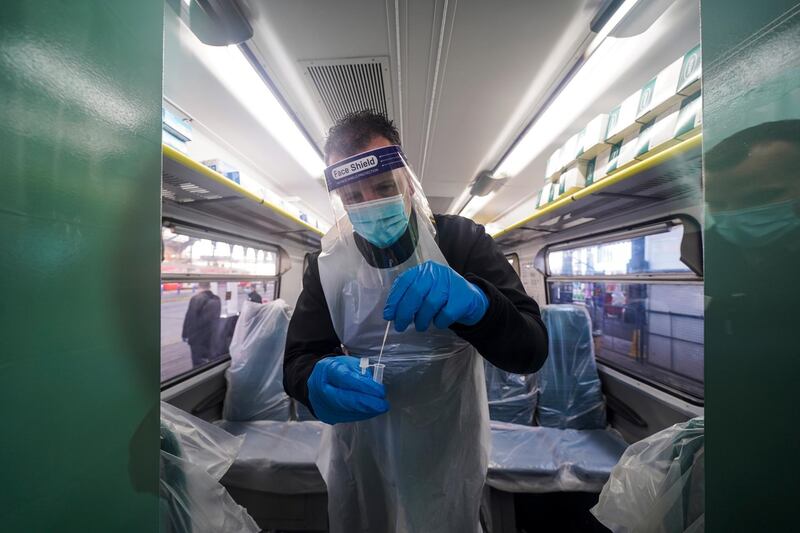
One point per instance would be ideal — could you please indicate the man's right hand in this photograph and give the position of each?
(339, 393)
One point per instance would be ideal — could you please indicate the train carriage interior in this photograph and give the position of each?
(621, 266)
(579, 134)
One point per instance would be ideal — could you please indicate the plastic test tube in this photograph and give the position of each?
(363, 364)
(377, 372)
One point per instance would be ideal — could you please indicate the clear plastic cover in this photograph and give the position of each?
(540, 459)
(255, 377)
(194, 456)
(570, 391)
(512, 397)
(200, 442)
(277, 457)
(658, 485)
(194, 502)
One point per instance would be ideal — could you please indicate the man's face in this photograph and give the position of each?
(376, 188)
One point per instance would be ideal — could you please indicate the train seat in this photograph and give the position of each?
(255, 376)
(570, 394)
(542, 459)
(512, 397)
(570, 449)
(276, 457)
(275, 475)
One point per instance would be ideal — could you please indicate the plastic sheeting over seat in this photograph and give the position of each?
(512, 397)
(194, 456)
(540, 459)
(255, 377)
(659, 484)
(277, 457)
(570, 391)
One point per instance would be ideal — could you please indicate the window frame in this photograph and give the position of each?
(691, 246)
(513, 259)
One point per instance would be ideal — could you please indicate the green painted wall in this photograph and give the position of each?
(751, 87)
(80, 99)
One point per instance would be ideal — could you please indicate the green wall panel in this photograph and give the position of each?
(751, 92)
(79, 263)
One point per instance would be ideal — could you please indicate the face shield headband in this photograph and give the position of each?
(364, 166)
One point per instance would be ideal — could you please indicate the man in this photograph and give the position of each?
(415, 459)
(753, 207)
(200, 322)
(253, 295)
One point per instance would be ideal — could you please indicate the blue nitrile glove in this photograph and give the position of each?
(339, 393)
(434, 292)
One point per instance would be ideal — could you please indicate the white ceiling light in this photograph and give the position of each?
(231, 67)
(609, 26)
(608, 61)
(476, 204)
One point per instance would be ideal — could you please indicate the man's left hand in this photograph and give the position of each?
(436, 293)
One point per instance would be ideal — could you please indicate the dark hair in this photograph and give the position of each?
(733, 150)
(353, 132)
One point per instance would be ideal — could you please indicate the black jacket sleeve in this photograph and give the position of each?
(511, 335)
(311, 336)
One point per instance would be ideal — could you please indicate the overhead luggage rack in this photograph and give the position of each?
(672, 174)
(190, 191)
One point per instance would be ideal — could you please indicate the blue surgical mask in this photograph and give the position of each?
(381, 222)
(757, 226)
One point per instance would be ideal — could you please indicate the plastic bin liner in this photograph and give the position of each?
(194, 455)
(200, 442)
(512, 397)
(199, 504)
(659, 484)
(277, 457)
(540, 459)
(255, 377)
(570, 392)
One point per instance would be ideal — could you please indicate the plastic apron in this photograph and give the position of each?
(420, 467)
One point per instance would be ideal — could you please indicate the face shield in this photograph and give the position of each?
(376, 195)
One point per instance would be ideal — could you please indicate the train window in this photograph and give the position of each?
(646, 306)
(204, 284)
(513, 260)
(655, 252)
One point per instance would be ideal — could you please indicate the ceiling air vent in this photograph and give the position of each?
(345, 85)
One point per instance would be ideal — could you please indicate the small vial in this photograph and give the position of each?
(377, 372)
(363, 364)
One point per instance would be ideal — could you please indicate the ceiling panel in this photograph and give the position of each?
(464, 73)
(499, 64)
